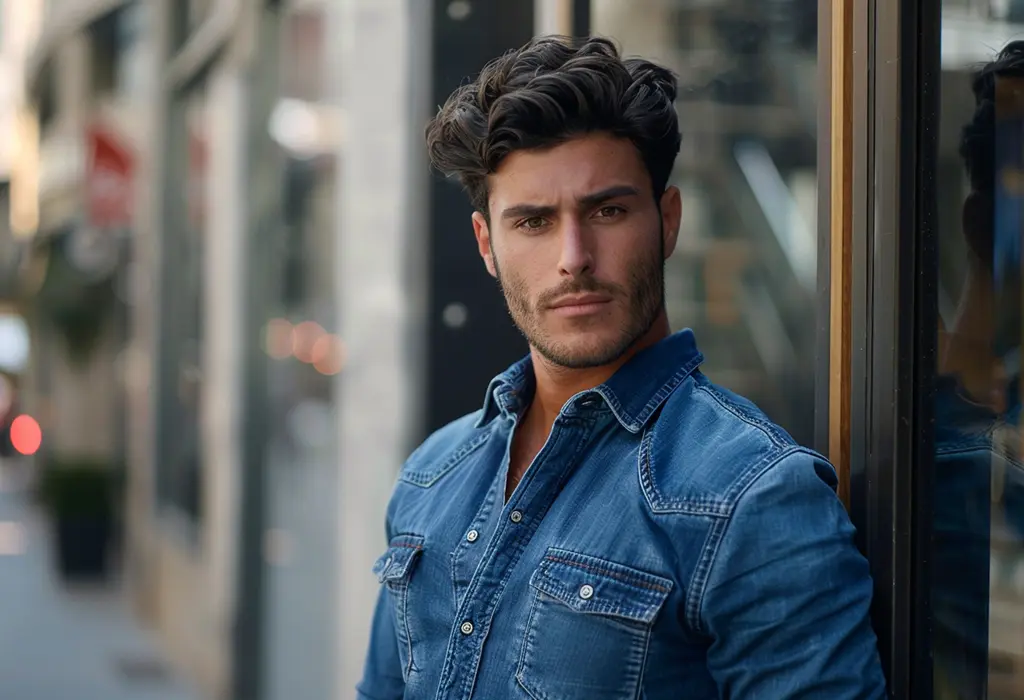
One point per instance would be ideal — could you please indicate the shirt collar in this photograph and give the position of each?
(632, 394)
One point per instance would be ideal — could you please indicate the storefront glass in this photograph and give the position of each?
(977, 569)
(184, 300)
(301, 354)
(744, 274)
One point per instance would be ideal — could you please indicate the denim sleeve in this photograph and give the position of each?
(382, 673)
(787, 599)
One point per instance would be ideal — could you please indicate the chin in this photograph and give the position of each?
(583, 352)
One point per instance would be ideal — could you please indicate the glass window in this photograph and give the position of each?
(743, 275)
(301, 354)
(977, 587)
(181, 350)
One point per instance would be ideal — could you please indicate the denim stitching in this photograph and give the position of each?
(709, 555)
(640, 625)
(611, 574)
(635, 424)
(411, 476)
(408, 632)
(526, 646)
(582, 438)
(770, 430)
(658, 503)
(695, 598)
(724, 508)
(635, 614)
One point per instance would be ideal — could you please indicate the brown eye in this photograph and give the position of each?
(534, 223)
(610, 212)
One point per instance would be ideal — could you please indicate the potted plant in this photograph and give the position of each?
(80, 497)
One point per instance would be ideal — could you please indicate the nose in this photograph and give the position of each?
(576, 256)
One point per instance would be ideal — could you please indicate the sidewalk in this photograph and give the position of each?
(61, 644)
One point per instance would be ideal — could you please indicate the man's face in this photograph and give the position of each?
(578, 243)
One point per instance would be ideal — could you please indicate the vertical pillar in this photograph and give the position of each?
(380, 244)
(471, 337)
(262, 202)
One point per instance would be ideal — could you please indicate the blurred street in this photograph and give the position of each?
(58, 643)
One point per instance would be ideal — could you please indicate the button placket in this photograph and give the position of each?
(503, 549)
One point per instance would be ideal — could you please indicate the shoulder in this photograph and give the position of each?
(708, 446)
(444, 449)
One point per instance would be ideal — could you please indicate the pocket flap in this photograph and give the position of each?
(591, 585)
(398, 561)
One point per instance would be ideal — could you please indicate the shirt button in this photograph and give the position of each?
(472, 535)
(516, 516)
(467, 628)
(587, 592)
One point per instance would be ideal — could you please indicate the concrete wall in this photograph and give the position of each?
(382, 225)
(183, 581)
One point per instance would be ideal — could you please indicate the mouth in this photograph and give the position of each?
(580, 304)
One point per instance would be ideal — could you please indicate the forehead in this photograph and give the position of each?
(577, 167)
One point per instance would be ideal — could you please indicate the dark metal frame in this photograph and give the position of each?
(462, 360)
(894, 271)
(263, 278)
(174, 154)
(581, 18)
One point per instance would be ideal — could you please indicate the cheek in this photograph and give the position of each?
(629, 256)
(528, 268)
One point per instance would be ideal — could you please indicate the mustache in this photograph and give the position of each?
(582, 285)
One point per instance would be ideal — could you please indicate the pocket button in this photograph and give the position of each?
(586, 592)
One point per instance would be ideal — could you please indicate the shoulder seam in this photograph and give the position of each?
(709, 552)
(447, 462)
(767, 427)
(779, 448)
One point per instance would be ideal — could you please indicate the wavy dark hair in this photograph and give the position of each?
(978, 138)
(547, 92)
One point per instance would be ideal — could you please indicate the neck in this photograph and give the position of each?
(556, 384)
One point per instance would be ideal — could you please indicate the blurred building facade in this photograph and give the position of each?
(288, 301)
(298, 302)
(19, 25)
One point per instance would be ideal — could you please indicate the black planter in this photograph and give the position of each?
(82, 546)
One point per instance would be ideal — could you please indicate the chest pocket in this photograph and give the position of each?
(588, 629)
(394, 569)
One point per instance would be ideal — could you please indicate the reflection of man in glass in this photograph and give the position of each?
(979, 482)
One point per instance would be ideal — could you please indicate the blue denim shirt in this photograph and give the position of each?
(668, 541)
(975, 524)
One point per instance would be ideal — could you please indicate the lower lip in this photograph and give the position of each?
(580, 309)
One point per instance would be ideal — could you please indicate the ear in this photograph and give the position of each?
(671, 215)
(482, 232)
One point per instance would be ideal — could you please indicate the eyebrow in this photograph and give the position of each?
(587, 201)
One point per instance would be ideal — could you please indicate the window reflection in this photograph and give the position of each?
(182, 351)
(304, 353)
(978, 563)
(744, 272)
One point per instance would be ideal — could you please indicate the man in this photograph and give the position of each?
(610, 524)
(978, 506)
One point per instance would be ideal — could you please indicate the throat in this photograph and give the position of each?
(527, 442)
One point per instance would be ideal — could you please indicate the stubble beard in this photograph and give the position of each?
(646, 299)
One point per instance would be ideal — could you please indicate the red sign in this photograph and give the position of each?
(195, 192)
(109, 174)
